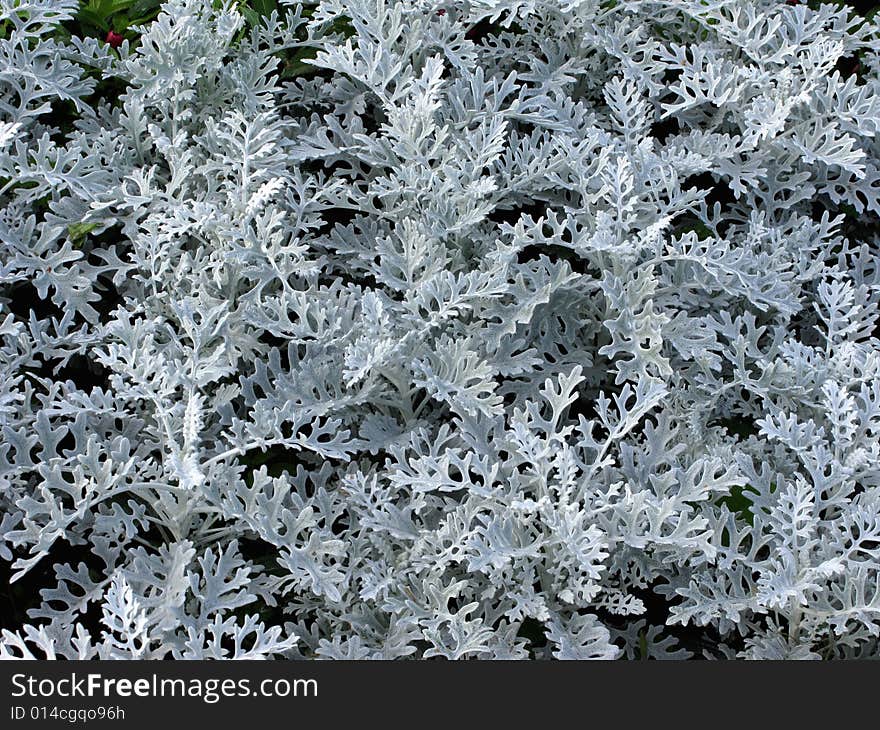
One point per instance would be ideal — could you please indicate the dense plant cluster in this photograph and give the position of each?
(480, 329)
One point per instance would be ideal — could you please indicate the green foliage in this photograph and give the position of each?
(96, 17)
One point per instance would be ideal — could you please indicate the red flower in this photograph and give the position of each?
(114, 39)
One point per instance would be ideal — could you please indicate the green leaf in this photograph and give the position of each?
(739, 502)
(90, 16)
(77, 232)
(251, 16)
(264, 7)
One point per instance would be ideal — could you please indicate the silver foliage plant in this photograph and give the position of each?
(481, 329)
